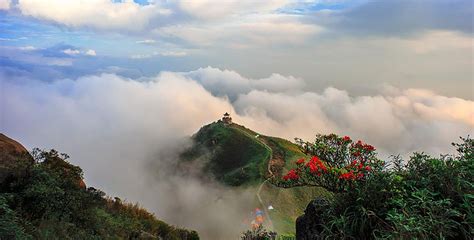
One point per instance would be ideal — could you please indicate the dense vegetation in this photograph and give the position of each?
(50, 201)
(423, 198)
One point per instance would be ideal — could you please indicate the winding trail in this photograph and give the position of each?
(264, 207)
(265, 210)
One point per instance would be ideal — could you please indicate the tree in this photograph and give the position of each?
(337, 163)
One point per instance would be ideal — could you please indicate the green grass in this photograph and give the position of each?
(236, 157)
(231, 154)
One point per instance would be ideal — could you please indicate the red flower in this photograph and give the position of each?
(347, 176)
(315, 164)
(368, 168)
(346, 139)
(369, 148)
(312, 167)
(291, 175)
(300, 161)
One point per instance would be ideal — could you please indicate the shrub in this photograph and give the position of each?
(50, 202)
(425, 198)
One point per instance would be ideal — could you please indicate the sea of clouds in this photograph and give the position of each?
(126, 133)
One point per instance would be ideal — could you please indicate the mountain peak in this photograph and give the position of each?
(236, 155)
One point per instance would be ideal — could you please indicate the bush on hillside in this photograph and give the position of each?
(52, 202)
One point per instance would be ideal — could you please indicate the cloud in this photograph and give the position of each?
(231, 84)
(27, 48)
(412, 120)
(97, 14)
(125, 133)
(90, 52)
(100, 113)
(5, 4)
(164, 54)
(434, 41)
(75, 51)
(203, 23)
(71, 51)
(31, 55)
(146, 41)
(404, 17)
(206, 9)
(246, 31)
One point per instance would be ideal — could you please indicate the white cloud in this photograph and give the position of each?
(432, 41)
(231, 84)
(206, 9)
(98, 14)
(5, 4)
(27, 48)
(71, 52)
(164, 54)
(246, 31)
(231, 23)
(28, 55)
(90, 52)
(397, 124)
(173, 54)
(146, 41)
(75, 52)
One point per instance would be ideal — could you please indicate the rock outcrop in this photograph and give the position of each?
(308, 225)
(14, 158)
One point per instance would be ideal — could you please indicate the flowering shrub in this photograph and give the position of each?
(423, 198)
(337, 163)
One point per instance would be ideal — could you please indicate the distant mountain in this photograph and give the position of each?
(240, 157)
(42, 196)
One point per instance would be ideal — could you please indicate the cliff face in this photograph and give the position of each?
(14, 158)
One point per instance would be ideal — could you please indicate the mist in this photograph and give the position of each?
(126, 133)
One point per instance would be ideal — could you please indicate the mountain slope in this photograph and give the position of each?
(239, 157)
(45, 198)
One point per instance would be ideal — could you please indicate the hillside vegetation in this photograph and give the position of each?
(239, 157)
(423, 198)
(43, 197)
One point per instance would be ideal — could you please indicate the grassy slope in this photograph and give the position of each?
(238, 158)
(233, 156)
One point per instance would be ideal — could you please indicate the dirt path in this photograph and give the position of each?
(269, 169)
(274, 159)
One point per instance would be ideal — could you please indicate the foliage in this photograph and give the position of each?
(258, 233)
(52, 202)
(424, 198)
(337, 164)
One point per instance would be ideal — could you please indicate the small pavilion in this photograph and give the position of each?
(227, 119)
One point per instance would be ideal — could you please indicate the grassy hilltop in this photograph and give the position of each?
(239, 157)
